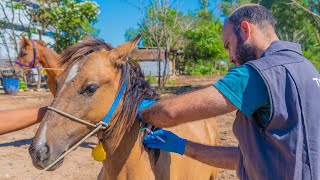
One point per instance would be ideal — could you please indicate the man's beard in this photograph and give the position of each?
(245, 51)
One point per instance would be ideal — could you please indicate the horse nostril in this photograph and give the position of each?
(39, 154)
(44, 152)
(44, 149)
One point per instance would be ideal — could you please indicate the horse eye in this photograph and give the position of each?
(91, 89)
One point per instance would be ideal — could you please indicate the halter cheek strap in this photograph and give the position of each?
(115, 103)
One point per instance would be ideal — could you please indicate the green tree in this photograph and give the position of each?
(71, 20)
(163, 26)
(204, 41)
(227, 6)
(68, 20)
(203, 13)
(130, 34)
(12, 12)
(204, 45)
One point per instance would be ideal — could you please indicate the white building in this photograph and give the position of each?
(147, 58)
(18, 22)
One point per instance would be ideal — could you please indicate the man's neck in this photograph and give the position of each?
(264, 43)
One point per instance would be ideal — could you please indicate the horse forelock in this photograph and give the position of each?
(75, 52)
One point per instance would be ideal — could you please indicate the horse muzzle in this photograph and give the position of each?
(42, 157)
(18, 71)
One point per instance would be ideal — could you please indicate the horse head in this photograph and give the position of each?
(29, 55)
(86, 89)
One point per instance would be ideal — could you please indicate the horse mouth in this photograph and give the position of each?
(44, 164)
(56, 165)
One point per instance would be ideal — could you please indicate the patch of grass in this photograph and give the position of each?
(170, 82)
(151, 79)
(22, 85)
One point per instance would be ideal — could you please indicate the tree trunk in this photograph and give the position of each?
(164, 77)
(159, 67)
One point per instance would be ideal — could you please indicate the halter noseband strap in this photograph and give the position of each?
(106, 119)
(33, 62)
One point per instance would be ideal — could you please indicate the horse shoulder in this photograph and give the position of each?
(204, 132)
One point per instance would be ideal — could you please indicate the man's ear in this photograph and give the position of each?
(245, 30)
(24, 41)
(120, 54)
(87, 37)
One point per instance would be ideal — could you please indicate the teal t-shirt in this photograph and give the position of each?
(246, 89)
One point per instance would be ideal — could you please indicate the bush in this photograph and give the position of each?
(22, 85)
(314, 58)
(151, 79)
(170, 82)
(204, 68)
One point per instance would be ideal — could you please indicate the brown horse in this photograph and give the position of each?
(33, 52)
(86, 89)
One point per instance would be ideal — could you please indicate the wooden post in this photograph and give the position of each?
(39, 78)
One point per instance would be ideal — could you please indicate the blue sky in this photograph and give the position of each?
(116, 16)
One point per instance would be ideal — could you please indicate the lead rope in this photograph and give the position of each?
(71, 117)
(53, 69)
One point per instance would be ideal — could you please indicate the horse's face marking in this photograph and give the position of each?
(72, 73)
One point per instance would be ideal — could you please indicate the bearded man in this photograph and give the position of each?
(273, 87)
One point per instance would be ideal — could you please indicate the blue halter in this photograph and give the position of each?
(115, 103)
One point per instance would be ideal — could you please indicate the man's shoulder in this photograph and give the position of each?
(242, 70)
(278, 57)
(244, 87)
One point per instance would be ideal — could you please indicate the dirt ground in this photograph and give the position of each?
(15, 162)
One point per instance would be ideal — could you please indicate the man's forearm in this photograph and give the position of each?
(201, 104)
(16, 119)
(217, 156)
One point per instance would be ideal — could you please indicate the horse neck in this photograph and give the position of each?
(49, 59)
(130, 153)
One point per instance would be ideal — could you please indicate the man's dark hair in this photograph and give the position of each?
(255, 14)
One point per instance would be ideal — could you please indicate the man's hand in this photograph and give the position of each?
(172, 142)
(144, 104)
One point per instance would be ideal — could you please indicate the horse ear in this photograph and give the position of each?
(120, 53)
(24, 41)
(87, 37)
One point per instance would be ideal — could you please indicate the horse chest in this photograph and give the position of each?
(137, 170)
